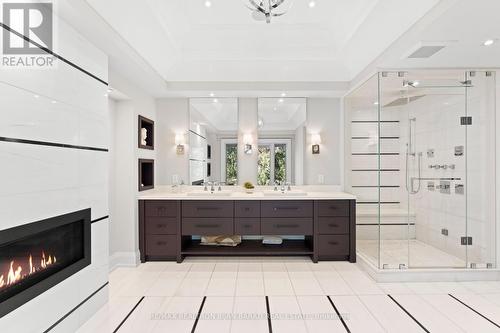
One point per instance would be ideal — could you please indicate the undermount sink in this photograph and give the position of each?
(208, 194)
(285, 194)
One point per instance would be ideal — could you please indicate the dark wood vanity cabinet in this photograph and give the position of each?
(159, 227)
(335, 230)
(326, 228)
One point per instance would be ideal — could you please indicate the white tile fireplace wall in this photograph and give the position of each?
(54, 160)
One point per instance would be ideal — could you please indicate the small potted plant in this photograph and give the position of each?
(248, 187)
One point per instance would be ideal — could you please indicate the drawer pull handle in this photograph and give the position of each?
(333, 207)
(207, 225)
(159, 225)
(286, 225)
(285, 208)
(247, 225)
(207, 208)
(161, 243)
(333, 225)
(333, 243)
(247, 209)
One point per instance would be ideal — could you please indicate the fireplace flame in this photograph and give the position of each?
(15, 270)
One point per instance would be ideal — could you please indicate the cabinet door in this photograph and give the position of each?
(288, 208)
(207, 208)
(247, 226)
(161, 245)
(207, 226)
(287, 226)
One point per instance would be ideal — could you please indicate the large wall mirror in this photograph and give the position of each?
(282, 131)
(213, 140)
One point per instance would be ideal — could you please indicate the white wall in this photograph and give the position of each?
(41, 181)
(247, 125)
(124, 183)
(323, 117)
(173, 117)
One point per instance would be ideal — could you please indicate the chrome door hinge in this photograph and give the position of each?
(466, 240)
(466, 120)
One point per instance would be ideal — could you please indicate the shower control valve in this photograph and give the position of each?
(434, 166)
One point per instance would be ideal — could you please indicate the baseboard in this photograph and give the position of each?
(123, 259)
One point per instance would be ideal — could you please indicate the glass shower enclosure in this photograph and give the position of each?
(420, 147)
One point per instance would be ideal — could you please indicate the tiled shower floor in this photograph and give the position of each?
(289, 295)
(413, 253)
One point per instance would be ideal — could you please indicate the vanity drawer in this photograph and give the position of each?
(287, 226)
(333, 208)
(161, 225)
(206, 208)
(334, 225)
(333, 245)
(247, 226)
(161, 245)
(247, 208)
(161, 208)
(207, 226)
(288, 208)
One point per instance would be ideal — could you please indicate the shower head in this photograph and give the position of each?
(403, 101)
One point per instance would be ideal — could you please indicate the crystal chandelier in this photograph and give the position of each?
(266, 9)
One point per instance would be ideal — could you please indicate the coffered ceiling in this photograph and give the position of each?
(186, 41)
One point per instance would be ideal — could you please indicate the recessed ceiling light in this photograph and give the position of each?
(281, 100)
(54, 102)
(283, 94)
(488, 42)
(106, 95)
(212, 94)
(109, 90)
(208, 4)
(312, 4)
(375, 103)
(215, 100)
(275, 108)
(36, 96)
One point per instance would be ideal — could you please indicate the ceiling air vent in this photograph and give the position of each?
(425, 50)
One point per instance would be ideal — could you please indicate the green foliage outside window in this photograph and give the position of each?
(231, 164)
(264, 164)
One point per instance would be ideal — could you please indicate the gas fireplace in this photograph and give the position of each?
(34, 257)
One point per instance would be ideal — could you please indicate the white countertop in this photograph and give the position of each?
(238, 193)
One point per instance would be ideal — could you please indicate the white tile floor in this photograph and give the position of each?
(414, 253)
(302, 297)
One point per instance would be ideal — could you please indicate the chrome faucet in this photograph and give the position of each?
(212, 186)
(283, 187)
(275, 186)
(220, 187)
(289, 186)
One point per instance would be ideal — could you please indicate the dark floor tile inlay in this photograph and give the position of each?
(269, 323)
(338, 314)
(409, 314)
(128, 315)
(474, 310)
(199, 314)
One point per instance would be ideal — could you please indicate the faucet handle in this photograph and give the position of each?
(289, 186)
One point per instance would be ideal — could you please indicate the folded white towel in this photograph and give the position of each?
(272, 240)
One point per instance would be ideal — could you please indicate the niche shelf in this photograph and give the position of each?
(146, 174)
(149, 125)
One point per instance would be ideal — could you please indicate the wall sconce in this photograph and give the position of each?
(179, 141)
(315, 140)
(247, 141)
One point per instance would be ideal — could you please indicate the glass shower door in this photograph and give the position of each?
(435, 164)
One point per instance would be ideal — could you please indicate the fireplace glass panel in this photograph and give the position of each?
(29, 260)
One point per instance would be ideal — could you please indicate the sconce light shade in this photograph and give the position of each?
(179, 139)
(315, 139)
